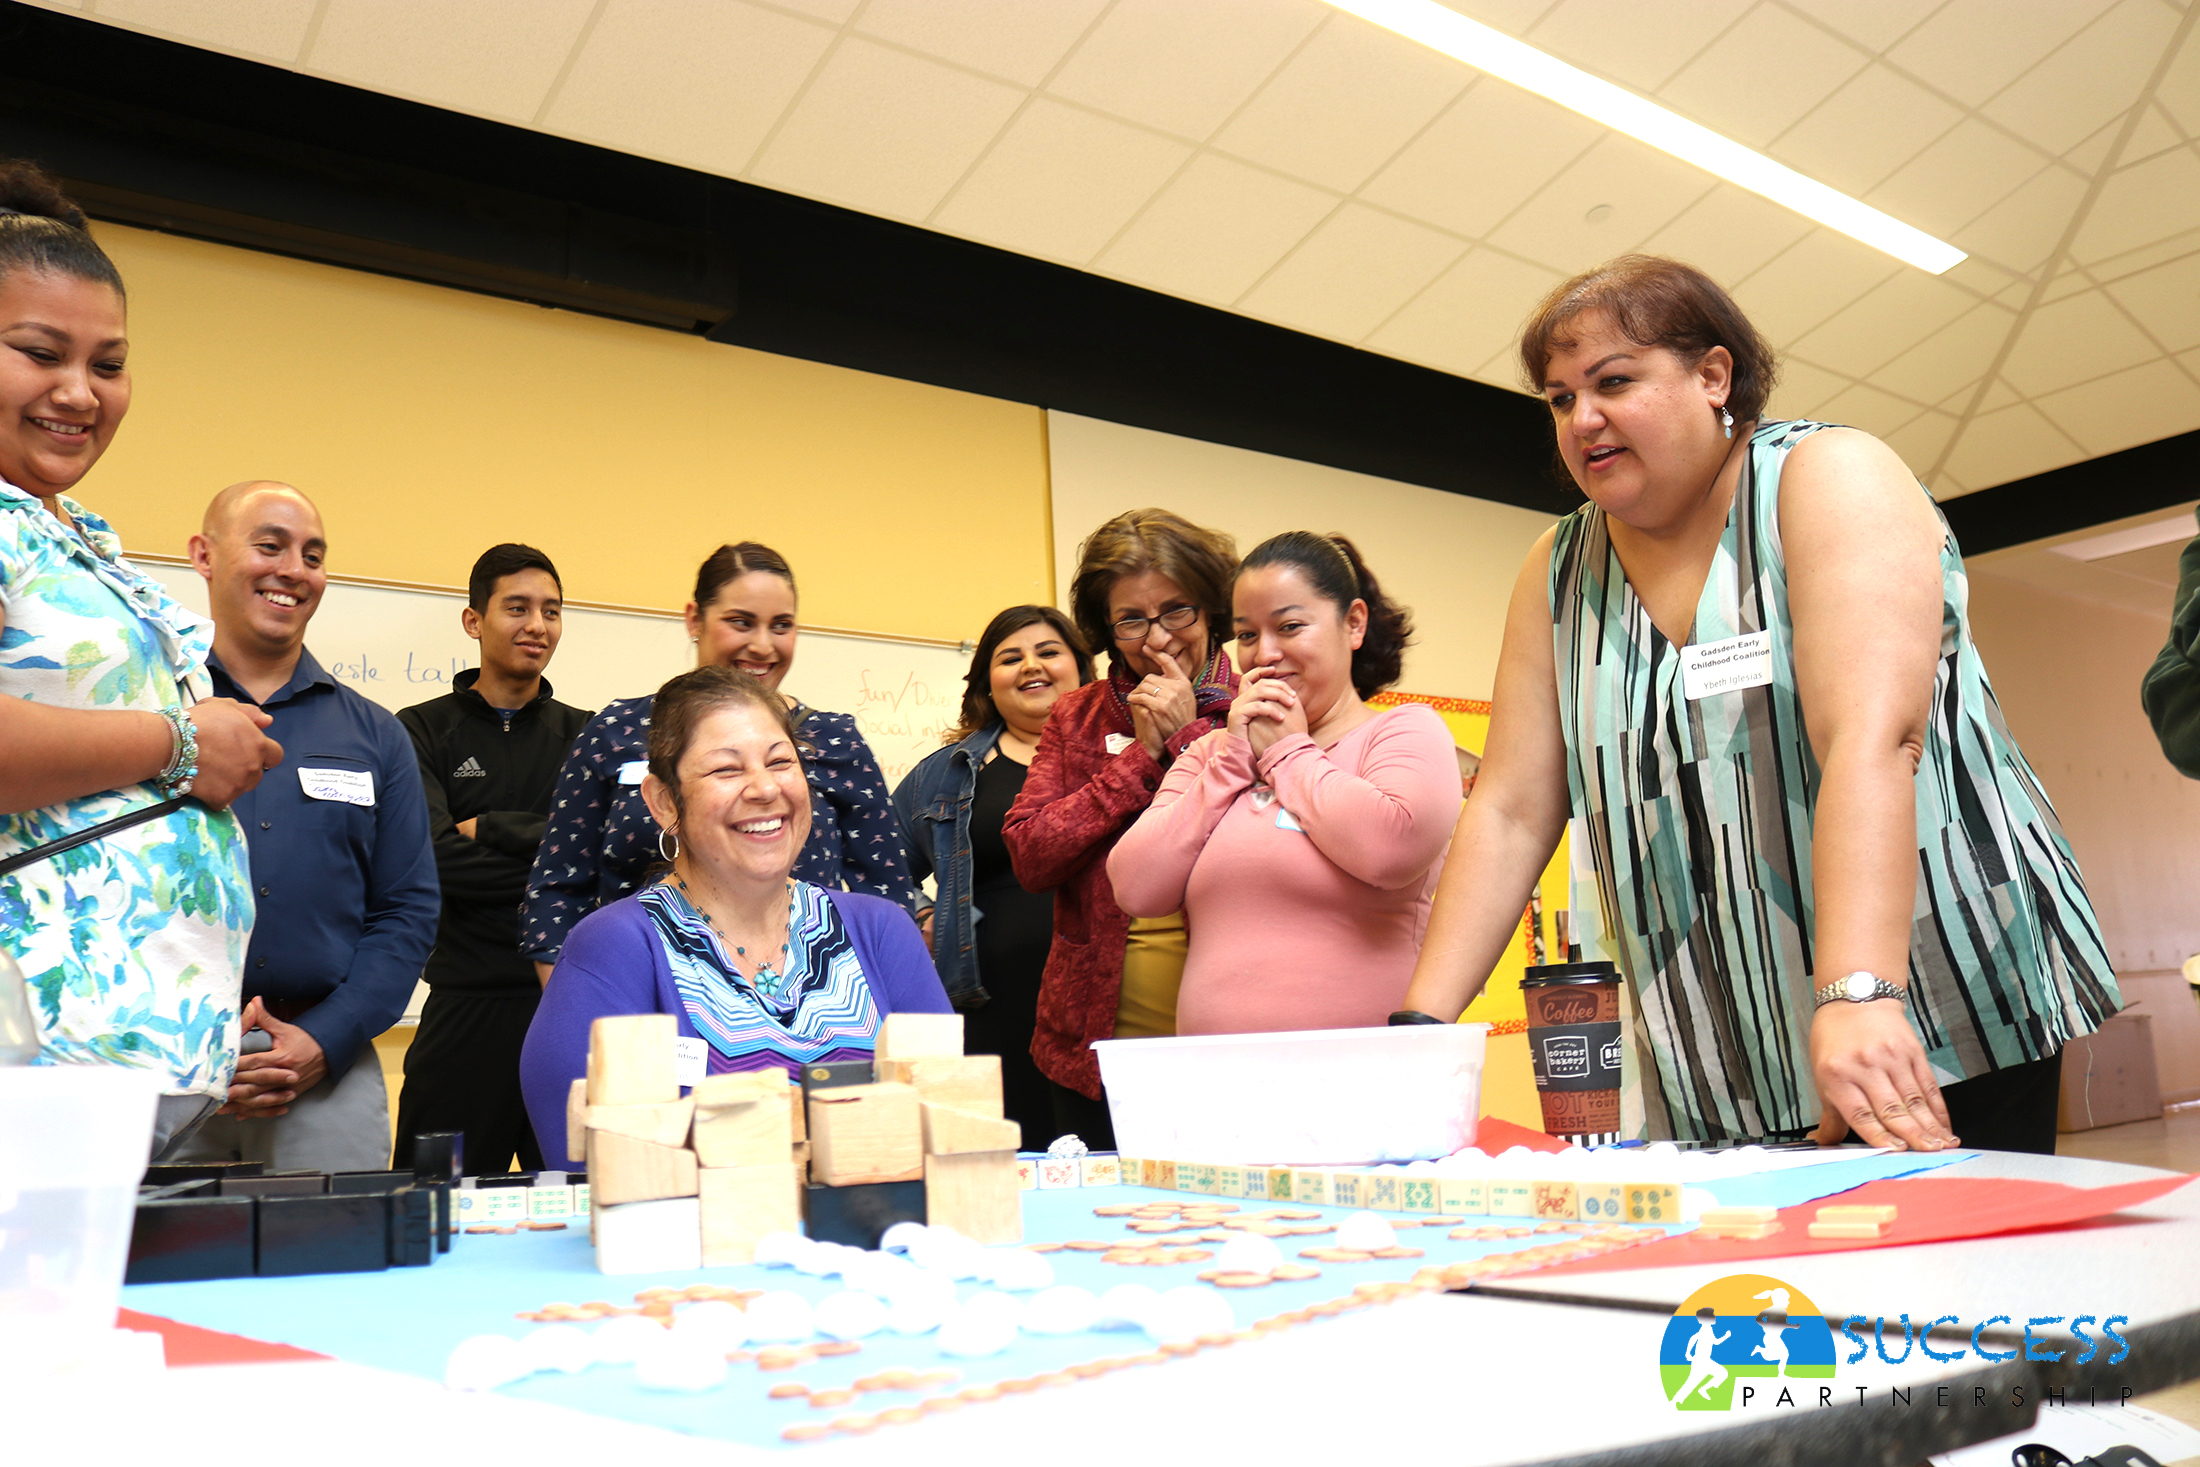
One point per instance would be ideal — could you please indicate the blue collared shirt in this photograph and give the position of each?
(341, 862)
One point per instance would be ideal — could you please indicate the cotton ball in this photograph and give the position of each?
(565, 1348)
(1660, 1151)
(1063, 1310)
(1695, 1202)
(949, 1252)
(1000, 1306)
(877, 1273)
(902, 1236)
(780, 1316)
(713, 1324)
(1125, 1307)
(779, 1250)
(1187, 1313)
(974, 1332)
(484, 1362)
(918, 1314)
(674, 1363)
(1249, 1253)
(619, 1339)
(922, 1285)
(1019, 1271)
(1365, 1232)
(1066, 1148)
(823, 1260)
(1515, 1156)
(849, 1315)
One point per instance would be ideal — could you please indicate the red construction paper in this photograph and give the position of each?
(1493, 1136)
(187, 1344)
(1929, 1210)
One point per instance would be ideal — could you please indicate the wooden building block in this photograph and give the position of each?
(1058, 1172)
(1738, 1217)
(919, 1036)
(1027, 1173)
(1279, 1184)
(744, 1125)
(1554, 1201)
(975, 1193)
(1417, 1194)
(1653, 1202)
(740, 1204)
(866, 1133)
(1465, 1196)
(1344, 1189)
(968, 1082)
(576, 1118)
(952, 1132)
(1602, 1202)
(663, 1124)
(1741, 1230)
(630, 1059)
(1229, 1181)
(664, 1236)
(1164, 1176)
(1310, 1185)
(1103, 1169)
(1854, 1230)
(622, 1169)
(1256, 1184)
(1379, 1192)
(1191, 1176)
(1848, 1212)
(1511, 1198)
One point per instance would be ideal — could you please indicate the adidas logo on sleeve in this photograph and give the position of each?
(471, 769)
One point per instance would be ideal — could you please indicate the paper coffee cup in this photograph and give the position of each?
(1574, 1043)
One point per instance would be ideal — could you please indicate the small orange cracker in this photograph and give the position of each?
(901, 1415)
(778, 1359)
(1294, 1214)
(937, 1405)
(857, 1425)
(1124, 1255)
(1157, 1226)
(1192, 1255)
(1293, 1272)
(1335, 1255)
(805, 1431)
(835, 1347)
(1115, 1209)
(1044, 1247)
(1020, 1386)
(1398, 1252)
(1441, 1222)
(1308, 1230)
(980, 1393)
(1214, 1237)
(482, 1228)
(826, 1400)
(1236, 1280)
(1087, 1245)
(787, 1390)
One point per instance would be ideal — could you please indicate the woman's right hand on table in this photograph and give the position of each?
(233, 752)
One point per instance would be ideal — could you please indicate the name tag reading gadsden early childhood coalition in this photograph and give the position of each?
(1728, 666)
(346, 786)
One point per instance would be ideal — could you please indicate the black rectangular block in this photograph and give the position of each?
(359, 1182)
(845, 1072)
(278, 1184)
(161, 1176)
(185, 1239)
(331, 1233)
(412, 1235)
(858, 1216)
(440, 1154)
(197, 1187)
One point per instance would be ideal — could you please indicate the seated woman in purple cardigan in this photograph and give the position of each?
(764, 969)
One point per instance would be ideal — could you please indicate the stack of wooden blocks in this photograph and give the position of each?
(1739, 1222)
(1852, 1222)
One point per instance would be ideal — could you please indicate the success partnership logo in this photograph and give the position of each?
(1751, 1340)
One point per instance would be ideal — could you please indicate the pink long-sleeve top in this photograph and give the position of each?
(1305, 877)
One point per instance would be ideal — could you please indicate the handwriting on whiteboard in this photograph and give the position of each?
(429, 674)
(903, 714)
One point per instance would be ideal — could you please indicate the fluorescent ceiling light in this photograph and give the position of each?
(2123, 542)
(1493, 51)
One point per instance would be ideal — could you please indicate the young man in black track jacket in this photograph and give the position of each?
(490, 751)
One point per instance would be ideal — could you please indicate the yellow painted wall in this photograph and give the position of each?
(431, 423)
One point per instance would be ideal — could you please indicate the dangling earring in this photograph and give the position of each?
(694, 637)
(673, 854)
(1726, 420)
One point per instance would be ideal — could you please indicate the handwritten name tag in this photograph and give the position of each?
(346, 786)
(1711, 668)
(689, 1059)
(1285, 820)
(632, 770)
(1117, 743)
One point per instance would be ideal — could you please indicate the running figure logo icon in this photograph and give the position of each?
(1745, 1333)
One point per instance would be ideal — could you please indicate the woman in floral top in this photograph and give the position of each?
(601, 838)
(134, 943)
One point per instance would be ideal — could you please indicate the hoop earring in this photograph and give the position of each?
(1726, 420)
(673, 854)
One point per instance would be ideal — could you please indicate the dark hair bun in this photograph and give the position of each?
(1333, 567)
(29, 189)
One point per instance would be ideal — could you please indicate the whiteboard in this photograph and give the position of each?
(403, 646)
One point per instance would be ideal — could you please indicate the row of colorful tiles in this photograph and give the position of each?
(1546, 1200)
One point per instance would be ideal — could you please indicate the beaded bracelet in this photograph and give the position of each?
(183, 759)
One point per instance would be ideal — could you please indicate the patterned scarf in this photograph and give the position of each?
(1214, 686)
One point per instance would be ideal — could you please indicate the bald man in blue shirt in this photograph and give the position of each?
(342, 868)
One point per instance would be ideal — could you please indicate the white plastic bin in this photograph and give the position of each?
(1311, 1097)
(73, 1141)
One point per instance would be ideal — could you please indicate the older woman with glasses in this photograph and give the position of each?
(1154, 591)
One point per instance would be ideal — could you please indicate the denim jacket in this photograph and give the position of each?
(933, 801)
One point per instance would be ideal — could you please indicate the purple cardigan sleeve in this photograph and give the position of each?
(893, 955)
(611, 964)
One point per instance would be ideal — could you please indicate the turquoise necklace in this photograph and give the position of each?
(767, 977)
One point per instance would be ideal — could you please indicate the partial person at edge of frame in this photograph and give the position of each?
(767, 969)
(601, 838)
(2170, 692)
(1856, 818)
(990, 936)
(1303, 840)
(105, 707)
(1154, 590)
(490, 751)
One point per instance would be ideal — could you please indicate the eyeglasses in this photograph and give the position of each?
(1134, 628)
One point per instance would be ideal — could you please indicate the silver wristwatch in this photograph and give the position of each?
(1857, 988)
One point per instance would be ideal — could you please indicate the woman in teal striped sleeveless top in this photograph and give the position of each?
(1744, 670)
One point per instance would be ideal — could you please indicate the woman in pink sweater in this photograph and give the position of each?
(1303, 840)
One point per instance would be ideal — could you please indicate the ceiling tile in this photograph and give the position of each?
(2166, 301)
(1971, 49)
(1803, 388)
(1728, 233)
(2093, 78)
(1061, 182)
(1898, 314)
(494, 58)
(271, 28)
(2154, 134)
(1640, 45)
(1999, 394)
(2092, 150)
(1633, 189)
(2074, 341)
(2023, 229)
(1922, 440)
(1344, 104)
(1877, 413)
(1184, 68)
(702, 87)
(2015, 443)
(1513, 17)
(1218, 227)
(884, 131)
(2179, 92)
(2141, 204)
(1872, 125)
(1351, 274)
(1965, 171)
(1808, 282)
(2146, 257)
(2129, 408)
(2072, 281)
(1761, 76)
(835, 11)
(1957, 353)
(1021, 40)
(1873, 24)
(1473, 311)
(1983, 278)
(1947, 487)
(1488, 153)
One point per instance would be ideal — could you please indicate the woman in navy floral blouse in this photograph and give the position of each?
(601, 838)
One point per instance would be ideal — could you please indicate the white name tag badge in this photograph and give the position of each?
(1285, 820)
(1711, 668)
(345, 786)
(1117, 743)
(632, 770)
(690, 1057)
